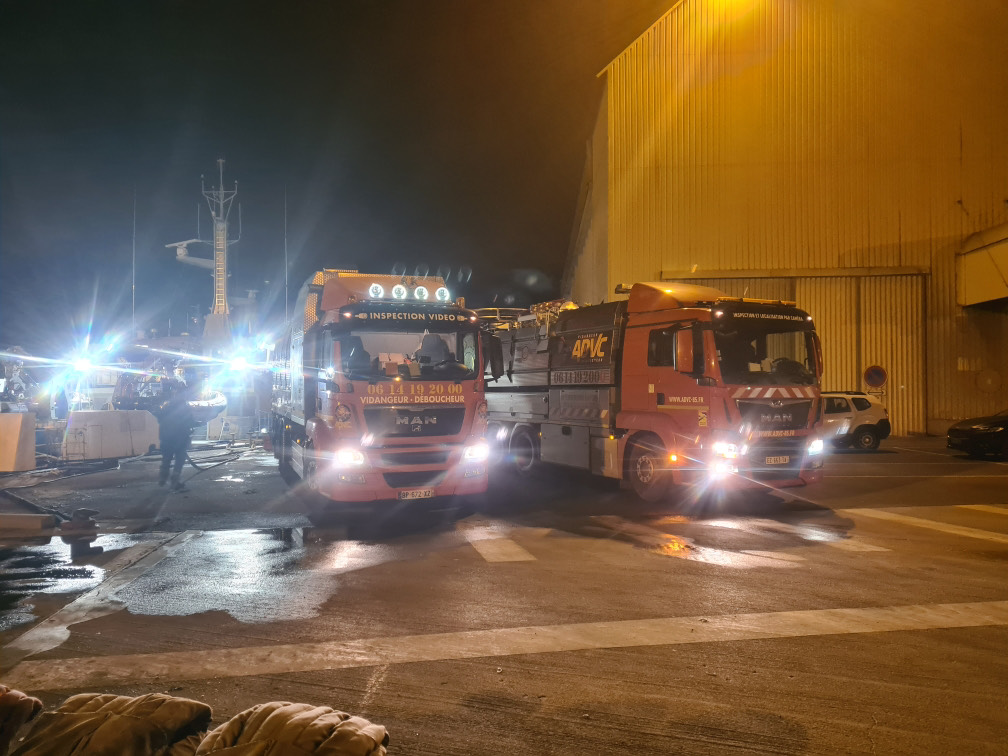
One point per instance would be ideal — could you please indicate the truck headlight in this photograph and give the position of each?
(816, 446)
(350, 457)
(476, 453)
(725, 449)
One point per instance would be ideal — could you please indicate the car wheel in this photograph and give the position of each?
(866, 439)
(646, 469)
(523, 451)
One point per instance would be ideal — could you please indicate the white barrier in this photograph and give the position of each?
(109, 434)
(17, 441)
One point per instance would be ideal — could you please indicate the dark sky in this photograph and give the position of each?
(428, 132)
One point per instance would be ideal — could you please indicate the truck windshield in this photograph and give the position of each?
(409, 355)
(763, 356)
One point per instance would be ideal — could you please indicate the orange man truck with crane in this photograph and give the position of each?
(676, 385)
(379, 391)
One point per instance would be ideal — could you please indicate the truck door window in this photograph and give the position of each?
(661, 348)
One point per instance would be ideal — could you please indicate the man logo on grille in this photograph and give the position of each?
(416, 421)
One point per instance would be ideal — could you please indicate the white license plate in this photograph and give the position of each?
(417, 493)
(778, 460)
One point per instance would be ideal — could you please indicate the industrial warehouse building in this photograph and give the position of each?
(851, 156)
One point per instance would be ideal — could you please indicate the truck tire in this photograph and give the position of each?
(866, 439)
(283, 454)
(523, 451)
(645, 469)
(308, 488)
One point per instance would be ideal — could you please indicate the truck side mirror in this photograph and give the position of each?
(684, 350)
(494, 352)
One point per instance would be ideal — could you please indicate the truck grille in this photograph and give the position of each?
(414, 479)
(792, 448)
(406, 422)
(775, 414)
(430, 457)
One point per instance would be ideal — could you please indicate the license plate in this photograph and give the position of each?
(778, 460)
(417, 493)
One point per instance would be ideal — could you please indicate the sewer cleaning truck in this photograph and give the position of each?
(378, 390)
(675, 385)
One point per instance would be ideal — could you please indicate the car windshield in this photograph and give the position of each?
(409, 355)
(758, 356)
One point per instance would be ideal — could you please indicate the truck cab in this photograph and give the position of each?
(718, 388)
(384, 392)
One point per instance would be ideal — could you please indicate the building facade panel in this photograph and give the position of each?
(766, 135)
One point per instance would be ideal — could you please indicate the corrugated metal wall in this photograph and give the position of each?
(862, 321)
(780, 135)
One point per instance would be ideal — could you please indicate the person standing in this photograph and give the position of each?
(175, 424)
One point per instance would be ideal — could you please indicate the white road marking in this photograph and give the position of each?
(782, 555)
(109, 671)
(917, 475)
(920, 522)
(854, 544)
(98, 602)
(501, 550)
(984, 508)
(491, 542)
(373, 684)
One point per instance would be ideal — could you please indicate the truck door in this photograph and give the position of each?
(675, 376)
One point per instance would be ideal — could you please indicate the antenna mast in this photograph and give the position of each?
(217, 329)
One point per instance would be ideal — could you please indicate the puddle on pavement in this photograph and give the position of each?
(51, 566)
(253, 575)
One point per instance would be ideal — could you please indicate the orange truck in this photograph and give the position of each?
(379, 390)
(676, 385)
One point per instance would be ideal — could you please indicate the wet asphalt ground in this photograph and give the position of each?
(558, 615)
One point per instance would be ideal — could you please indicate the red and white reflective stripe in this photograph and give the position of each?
(766, 393)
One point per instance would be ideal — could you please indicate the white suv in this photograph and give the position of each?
(854, 418)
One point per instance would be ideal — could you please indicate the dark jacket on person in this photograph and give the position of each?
(175, 420)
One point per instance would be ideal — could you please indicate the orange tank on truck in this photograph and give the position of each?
(379, 390)
(673, 385)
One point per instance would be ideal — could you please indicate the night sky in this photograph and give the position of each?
(431, 132)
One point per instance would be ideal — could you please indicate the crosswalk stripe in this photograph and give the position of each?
(501, 550)
(920, 522)
(491, 542)
(104, 672)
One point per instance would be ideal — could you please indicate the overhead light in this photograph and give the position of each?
(376, 291)
(399, 291)
(420, 292)
(442, 294)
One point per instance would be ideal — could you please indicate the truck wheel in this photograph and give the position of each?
(308, 488)
(523, 451)
(647, 462)
(283, 453)
(866, 439)
(310, 468)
